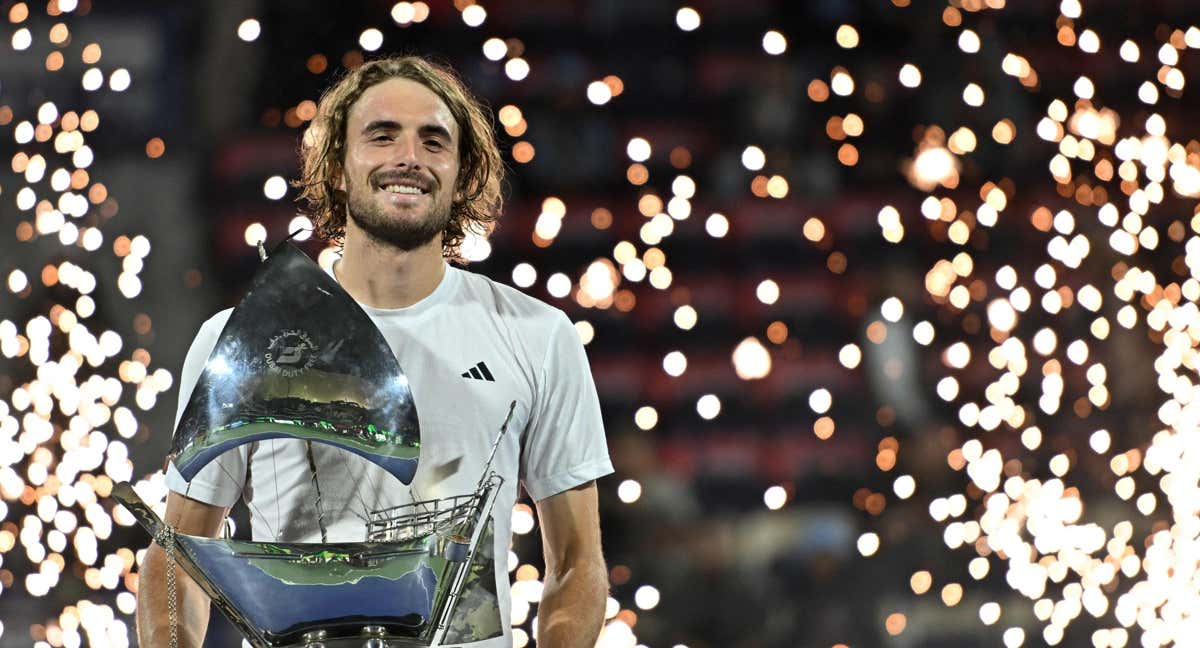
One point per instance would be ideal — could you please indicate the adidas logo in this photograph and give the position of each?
(479, 372)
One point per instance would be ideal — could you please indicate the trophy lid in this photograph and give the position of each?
(299, 358)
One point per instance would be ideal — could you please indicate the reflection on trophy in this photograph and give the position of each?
(299, 359)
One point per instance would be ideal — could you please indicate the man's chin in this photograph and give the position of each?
(405, 240)
(407, 234)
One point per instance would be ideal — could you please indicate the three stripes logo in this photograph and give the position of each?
(479, 372)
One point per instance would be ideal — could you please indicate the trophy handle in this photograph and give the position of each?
(155, 526)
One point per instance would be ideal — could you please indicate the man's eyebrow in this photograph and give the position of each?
(381, 124)
(424, 130)
(435, 129)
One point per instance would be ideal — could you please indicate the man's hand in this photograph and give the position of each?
(153, 619)
(572, 608)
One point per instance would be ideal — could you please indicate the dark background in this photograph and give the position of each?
(730, 571)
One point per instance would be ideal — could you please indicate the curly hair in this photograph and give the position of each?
(477, 198)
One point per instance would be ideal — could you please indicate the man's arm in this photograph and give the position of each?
(572, 608)
(153, 619)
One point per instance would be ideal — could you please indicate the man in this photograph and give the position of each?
(399, 165)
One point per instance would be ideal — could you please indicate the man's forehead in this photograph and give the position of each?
(404, 101)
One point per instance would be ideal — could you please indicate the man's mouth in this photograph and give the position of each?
(403, 185)
(403, 189)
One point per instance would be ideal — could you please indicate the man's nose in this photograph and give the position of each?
(405, 153)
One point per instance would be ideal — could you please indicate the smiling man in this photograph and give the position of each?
(399, 165)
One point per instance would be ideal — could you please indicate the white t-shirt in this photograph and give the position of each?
(521, 348)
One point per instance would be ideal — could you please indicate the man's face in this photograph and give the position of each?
(401, 165)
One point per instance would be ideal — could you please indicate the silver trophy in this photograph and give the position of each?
(300, 359)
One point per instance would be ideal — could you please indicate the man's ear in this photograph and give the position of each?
(339, 180)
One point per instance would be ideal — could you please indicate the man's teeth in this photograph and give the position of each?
(402, 189)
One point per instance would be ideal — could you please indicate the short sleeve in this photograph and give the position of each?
(563, 445)
(219, 483)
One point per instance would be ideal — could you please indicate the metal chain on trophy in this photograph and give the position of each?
(166, 539)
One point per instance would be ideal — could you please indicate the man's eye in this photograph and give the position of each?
(433, 144)
(381, 138)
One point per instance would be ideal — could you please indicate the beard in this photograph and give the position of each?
(404, 234)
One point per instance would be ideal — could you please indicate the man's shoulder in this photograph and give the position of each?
(213, 326)
(218, 319)
(508, 302)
